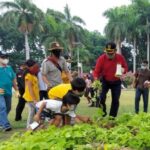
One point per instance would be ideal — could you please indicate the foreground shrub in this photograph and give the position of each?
(127, 132)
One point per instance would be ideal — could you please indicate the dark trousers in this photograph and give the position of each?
(144, 92)
(19, 108)
(43, 95)
(115, 87)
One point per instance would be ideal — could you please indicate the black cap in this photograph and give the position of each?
(110, 45)
(3, 54)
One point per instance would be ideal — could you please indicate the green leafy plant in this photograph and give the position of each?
(126, 132)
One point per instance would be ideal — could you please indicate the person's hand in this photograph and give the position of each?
(77, 120)
(37, 118)
(147, 84)
(17, 93)
(34, 101)
(122, 70)
(86, 119)
(83, 119)
(2, 91)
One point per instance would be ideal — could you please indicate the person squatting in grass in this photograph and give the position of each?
(56, 110)
(76, 88)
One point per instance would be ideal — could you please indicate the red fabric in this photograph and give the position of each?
(52, 59)
(106, 67)
(34, 69)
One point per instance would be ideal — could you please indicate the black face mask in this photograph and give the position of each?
(57, 53)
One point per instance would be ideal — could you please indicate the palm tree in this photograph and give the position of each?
(116, 28)
(73, 28)
(134, 30)
(65, 26)
(143, 8)
(26, 13)
(53, 27)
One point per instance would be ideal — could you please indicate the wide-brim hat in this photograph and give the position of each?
(3, 55)
(54, 46)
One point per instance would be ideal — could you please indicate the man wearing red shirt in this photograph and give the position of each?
(109, 68)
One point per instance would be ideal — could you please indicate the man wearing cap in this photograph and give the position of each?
(7, 81)
(53, 66)
(109, 68)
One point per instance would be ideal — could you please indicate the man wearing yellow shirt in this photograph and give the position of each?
(59, 91)
(76, 88)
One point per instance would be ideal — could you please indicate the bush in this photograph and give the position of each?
(128, 79)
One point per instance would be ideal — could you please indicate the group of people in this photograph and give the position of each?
(53, 72)
(61, 91)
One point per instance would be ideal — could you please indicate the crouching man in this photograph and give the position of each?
(57, 111)
(74, 90)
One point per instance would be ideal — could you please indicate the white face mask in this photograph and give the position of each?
(4, 61)
(143, 66)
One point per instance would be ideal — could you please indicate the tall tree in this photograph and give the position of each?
(143, 8)
(73, 28)
(116, 28)
(26, 13)
(134, 30)
(66, 26)
(53, 28)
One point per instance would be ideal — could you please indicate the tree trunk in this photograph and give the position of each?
(148, 42)
(27, 48)
(118, 46)
(134, 55)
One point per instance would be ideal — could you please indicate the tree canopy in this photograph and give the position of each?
(28, 31)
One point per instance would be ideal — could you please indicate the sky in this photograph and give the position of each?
(91, 11)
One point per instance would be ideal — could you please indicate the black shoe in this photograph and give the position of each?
(7, 129)
(92, 104)
(18, 119)
(105, 114)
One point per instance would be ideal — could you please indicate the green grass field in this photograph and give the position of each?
(126, 106)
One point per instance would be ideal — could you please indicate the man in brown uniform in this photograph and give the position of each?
(54, 66)
(142, 78)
